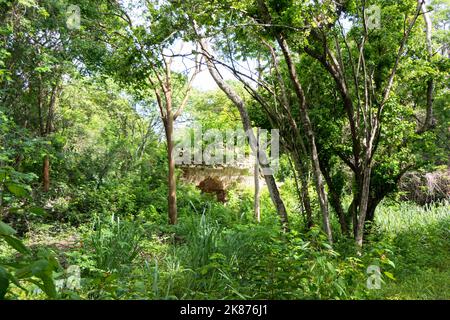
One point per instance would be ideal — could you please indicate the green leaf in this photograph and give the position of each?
(17, 189)
(38, 211)
(16, 244)
(6, 230)
(27, 3)
(389, 275)
(48, 285)
(391, 263)
(4, 283)
(3, 174)
(33, 269)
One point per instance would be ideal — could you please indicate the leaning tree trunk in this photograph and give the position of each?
(240, 104)
(307, 126)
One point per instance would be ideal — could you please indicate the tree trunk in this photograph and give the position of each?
(372, 206)
(304, 193)
(172, 196)
(365, 189)
(430, 83)
(352, 215)
(46, 174)
(40, 104)
(257, 207)
(48, 129)
(307, 127)
(51, 109)
(335, 201)
(307, 203)
(240, 104)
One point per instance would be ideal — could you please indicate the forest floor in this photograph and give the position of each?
(418, 238)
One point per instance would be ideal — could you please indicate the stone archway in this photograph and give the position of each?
(218, 179)
(213, 185)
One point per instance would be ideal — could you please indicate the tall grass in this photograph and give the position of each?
(421, 239)
(404, 216)
(115, 243)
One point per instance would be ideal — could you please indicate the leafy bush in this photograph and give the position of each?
(29, 266)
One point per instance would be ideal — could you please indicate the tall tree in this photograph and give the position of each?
(37, 54)
(240, 104)
(142, 55)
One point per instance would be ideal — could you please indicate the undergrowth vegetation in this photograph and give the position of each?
(214, 253)
(251, 149)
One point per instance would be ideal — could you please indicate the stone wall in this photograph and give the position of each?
(218, 180)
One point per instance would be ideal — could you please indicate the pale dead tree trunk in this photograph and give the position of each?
(257, 207)
(240, 105)
(430, 83)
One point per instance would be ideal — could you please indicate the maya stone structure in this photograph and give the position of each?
(217, 179)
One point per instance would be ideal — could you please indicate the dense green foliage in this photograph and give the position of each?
(92, 207)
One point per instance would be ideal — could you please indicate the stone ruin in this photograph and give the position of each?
(217, 179)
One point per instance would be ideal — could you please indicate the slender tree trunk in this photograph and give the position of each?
(307, 203)
(46, 174)
(352, 213)
(48, 129)
(304, 192)
(51, 109)
(240, 104)
(336, 203)
(307, 126)
(430, 83)
(365, 189)
(257, 187)
(40, 104)
(172, 196)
